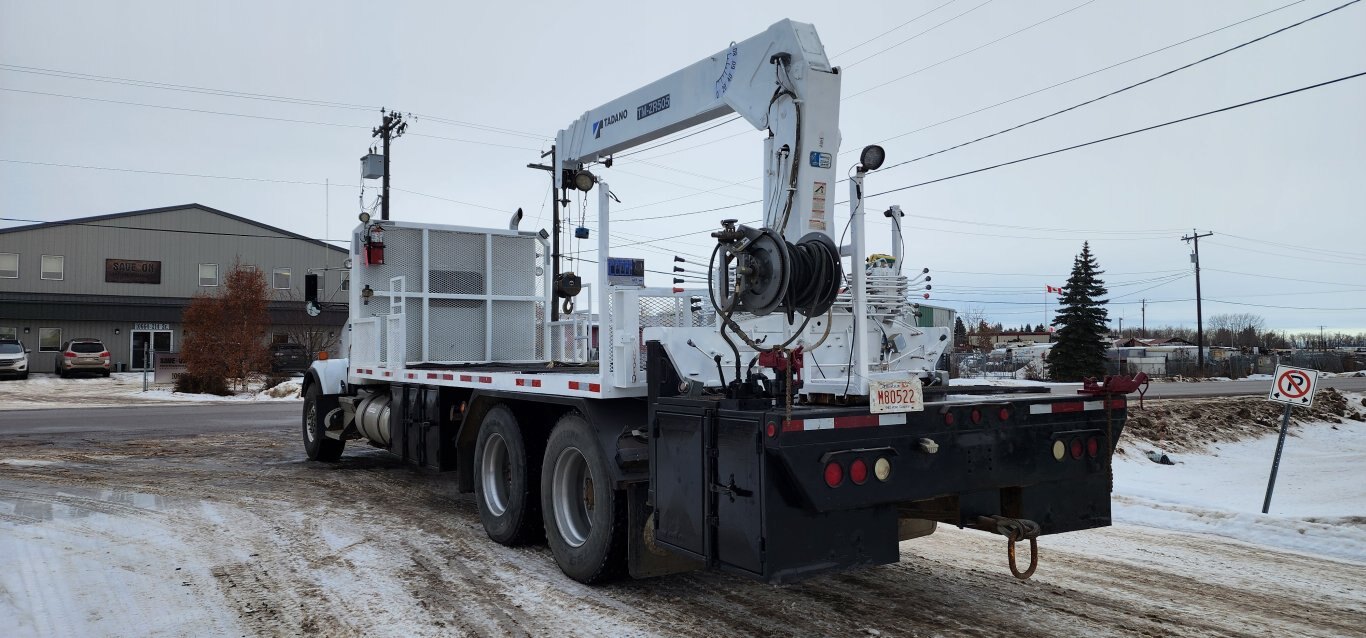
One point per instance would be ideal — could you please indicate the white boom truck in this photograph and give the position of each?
(793, 425)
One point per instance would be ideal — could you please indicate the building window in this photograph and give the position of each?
(208, 274)
(49, 339)
(9, 265)
(280, 278)
(346, 280)
(53, 267)
(9, 333)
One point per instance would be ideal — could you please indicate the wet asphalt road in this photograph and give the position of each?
(170, 420)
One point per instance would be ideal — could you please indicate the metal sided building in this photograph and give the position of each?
(126, 278)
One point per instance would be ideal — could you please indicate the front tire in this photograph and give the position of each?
(316, 444)
(585, 519)
(507, 480)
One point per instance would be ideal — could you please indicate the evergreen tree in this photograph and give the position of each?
(1080, 350)
(960, 333)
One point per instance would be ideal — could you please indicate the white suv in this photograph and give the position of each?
(13, 359)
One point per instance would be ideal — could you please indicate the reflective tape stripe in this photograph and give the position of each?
(1076, 406)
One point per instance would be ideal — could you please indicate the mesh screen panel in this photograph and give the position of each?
(514, 338)
(514, 265)
(458, 330)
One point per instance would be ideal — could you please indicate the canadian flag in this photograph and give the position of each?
(1052, 289)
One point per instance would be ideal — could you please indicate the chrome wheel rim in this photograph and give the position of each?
(311, 422)
(496, 474)
(573, 497)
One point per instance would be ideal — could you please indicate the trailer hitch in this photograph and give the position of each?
(1015, 530)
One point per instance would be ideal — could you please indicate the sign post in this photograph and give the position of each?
(1291, 386)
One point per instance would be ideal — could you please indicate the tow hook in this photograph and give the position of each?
(1015, 530)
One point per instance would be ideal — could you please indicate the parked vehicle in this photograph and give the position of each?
(783, 419)
(288, 357)
(83, 355)
(13, 359)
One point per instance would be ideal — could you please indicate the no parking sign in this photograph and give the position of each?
(1291, 386)
(1294, 386)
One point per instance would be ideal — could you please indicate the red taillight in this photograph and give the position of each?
(858, 472)
(976, 416)
(1092, 447)
(834, 474)
(948, 418)
(772, 429)
(1005, 414)
(69, 354)
(1076, 448)
(105, 354)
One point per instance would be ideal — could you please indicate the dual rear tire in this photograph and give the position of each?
(562, 492)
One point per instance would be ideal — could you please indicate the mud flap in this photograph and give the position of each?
(643, 557)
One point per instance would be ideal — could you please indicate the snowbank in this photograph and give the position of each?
(125, 388)
(1318, 507)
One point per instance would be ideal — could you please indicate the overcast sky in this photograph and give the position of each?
(1281, 184)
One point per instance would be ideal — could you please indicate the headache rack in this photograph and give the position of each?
(477, 300)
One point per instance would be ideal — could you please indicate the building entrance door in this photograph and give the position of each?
(160, 341)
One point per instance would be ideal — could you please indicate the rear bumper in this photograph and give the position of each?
(742, 495)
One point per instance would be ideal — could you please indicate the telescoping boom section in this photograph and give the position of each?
(784, 418)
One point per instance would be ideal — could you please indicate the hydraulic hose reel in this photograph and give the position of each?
(761, 272)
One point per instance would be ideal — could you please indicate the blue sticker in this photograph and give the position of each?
(820, 160)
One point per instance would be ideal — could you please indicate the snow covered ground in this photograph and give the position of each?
(1318, 506)
(121, 388)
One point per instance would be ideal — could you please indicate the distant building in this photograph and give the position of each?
(998, 339)
(126, 278)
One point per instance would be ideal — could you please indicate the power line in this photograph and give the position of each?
(681, 137)
(1036, 91)
(992, 106)
(895, 28)
(1317, 249)
(1262, 276)
(1082, 76)
(1297, 257)
(880, 52)
(249, 116)
(1155, 231)
(167, 86)
(237, 178)
(1028, 274)
(1256, 305)
(1121, 90)
(1120, 135)
(972, 50)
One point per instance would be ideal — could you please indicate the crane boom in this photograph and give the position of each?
(778, 80)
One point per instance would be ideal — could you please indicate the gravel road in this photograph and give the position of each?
(233, 533)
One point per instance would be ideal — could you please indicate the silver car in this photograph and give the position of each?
(83, 355)
(13, 359)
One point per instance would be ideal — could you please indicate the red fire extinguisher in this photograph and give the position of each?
(374, 246)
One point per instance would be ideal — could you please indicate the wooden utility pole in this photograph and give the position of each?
(1199, 318)
(555, 222)
(392, 128)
